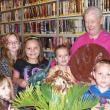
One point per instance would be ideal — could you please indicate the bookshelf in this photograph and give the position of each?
(53, 21)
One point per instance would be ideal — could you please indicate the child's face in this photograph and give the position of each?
(62, 56)
(32, 49)
(5, 91)
(102, 76)
(12, 43)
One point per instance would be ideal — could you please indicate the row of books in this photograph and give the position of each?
(30, 2)
(51, 42)
(104, 5)
(43, 10)
(71, 26)
(14, 15)
(106, 23)
(67, 7)
(5, 28)
(66, 26)
(40, 27)
(9, 4)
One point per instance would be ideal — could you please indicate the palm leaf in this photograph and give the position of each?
(44, 97)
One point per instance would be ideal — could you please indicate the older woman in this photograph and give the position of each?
(90, 47)
(95, 34)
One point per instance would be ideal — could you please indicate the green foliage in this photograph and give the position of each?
(44, 97)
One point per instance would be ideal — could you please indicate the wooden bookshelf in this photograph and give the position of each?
(48, 19)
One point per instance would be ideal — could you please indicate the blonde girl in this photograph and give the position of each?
(6, 92)
(60, 75)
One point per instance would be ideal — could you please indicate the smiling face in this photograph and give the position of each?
(93, 23)
(32, 50)
(62, 56)
(5, 90)
(102, 76)
(12, 43)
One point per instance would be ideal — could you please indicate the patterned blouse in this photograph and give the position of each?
(4, 67)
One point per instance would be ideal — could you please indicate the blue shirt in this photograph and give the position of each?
(93, 89)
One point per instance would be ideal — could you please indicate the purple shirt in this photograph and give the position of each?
(103, 40)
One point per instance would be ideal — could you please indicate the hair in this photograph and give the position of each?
(61, 47)
(95, 10)
(41, 55)
(5, 51)
(103, 61)
(5, 78)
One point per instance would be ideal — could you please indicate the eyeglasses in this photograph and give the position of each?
(13, 43)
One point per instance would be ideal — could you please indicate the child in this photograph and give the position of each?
(31, 62)
(101, 89)
(60, 75)
(6, 92)
(10, 52)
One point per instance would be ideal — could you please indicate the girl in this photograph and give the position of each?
(60, 75)
(6, 92)
(10, 52)
(31, 62)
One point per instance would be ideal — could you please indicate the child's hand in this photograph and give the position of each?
(97, 107)
(70, 78)
(107, 107)
(23, 83)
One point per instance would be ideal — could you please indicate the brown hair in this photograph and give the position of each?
(5, 51)
(61, 47)
(29, 38)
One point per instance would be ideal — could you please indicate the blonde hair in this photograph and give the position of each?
(5, 78)
(61, 47)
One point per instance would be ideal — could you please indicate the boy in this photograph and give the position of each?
(101, 89)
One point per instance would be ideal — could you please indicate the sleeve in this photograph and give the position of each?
(89, 93)
(78, 43)
(4, 68)
(18, 65)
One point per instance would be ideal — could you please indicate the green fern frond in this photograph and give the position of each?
(44, 97)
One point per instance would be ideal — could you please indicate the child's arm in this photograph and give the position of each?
(17, 80)
(51, 72)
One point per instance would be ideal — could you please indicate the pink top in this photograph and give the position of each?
(103, 40)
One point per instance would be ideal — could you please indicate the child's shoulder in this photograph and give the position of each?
(44, 63)
(20, 60)
(56, 67)
(93, 87)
